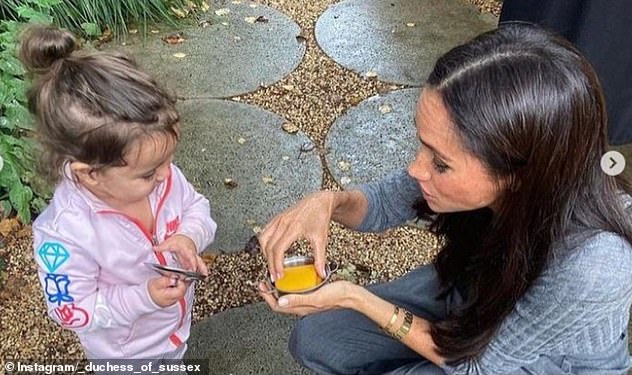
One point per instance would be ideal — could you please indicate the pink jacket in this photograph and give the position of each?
(90, 263)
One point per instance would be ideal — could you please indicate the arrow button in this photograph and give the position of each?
(612, 163)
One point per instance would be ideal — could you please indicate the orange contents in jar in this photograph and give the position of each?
(299, 278)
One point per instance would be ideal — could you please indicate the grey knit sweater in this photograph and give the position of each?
(577, 309)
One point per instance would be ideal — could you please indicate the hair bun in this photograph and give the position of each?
(42, 45)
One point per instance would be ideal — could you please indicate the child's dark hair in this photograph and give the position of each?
(90, 106)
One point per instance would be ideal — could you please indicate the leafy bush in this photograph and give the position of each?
(91, 17)
(21, 190)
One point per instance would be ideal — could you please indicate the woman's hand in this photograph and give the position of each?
(336, 295)
(185, 251)
(309, 219)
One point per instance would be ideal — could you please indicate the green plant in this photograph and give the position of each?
(91, 17)
(21, 190)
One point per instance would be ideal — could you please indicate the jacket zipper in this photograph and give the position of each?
(153, 239)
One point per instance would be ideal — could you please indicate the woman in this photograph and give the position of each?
(536, 273)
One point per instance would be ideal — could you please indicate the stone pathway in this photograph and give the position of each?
(373, 138)
(251, 163)
(399, 40)
(237, 155)
(247, 46)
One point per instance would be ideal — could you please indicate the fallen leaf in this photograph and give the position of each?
(179, 55)
(256, 229)
(355, 99)
(209, 259)
(252, 246)
(106, 36)
(290, 128)
(182, 13)
(154, 31)
(236, 99)
(301, 38)
(205, 7)
(385, 108)
(251, 19)
(7, 226)
(345, 180)
(237, 38)
(241, 141)
(370, 74)
(344, 165)
(225, 23)
(230, 183)
(222, 11)
(410, 24)
(261, 19)
(288, 87)
(268, 180)
(175, 38)
(253, 5)
(285, 157)
(133, 31)
(251, 222)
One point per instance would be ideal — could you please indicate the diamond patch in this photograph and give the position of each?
(53, 255)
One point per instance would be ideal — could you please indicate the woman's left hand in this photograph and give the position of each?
(334, 295)
(185, 251)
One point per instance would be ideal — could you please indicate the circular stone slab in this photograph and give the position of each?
(373, 138)
(399, 40)
(246, 340)
(235, 54)
(223, 139)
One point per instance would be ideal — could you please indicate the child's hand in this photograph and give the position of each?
(165, 291)
(186, 253)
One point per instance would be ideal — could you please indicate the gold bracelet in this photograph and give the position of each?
(387, 328)
(405, 327)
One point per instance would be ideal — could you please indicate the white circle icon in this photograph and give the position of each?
(612, 163)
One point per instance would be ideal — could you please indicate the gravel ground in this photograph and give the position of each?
(29, 334)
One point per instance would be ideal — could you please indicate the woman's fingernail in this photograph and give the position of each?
(283, 302)
(272, 277)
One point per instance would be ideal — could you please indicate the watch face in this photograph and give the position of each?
(175, 272)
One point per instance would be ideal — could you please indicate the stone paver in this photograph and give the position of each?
(246, 340)
(224, 139)
(397, 39)
(230, 57)
(373, 138)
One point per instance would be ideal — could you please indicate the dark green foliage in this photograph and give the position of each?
(21, 190)
(90, 18)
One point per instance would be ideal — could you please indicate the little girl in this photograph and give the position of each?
(109, 134)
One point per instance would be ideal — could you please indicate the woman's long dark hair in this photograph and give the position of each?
(530, 107)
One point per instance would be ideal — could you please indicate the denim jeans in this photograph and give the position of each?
(346, 342)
